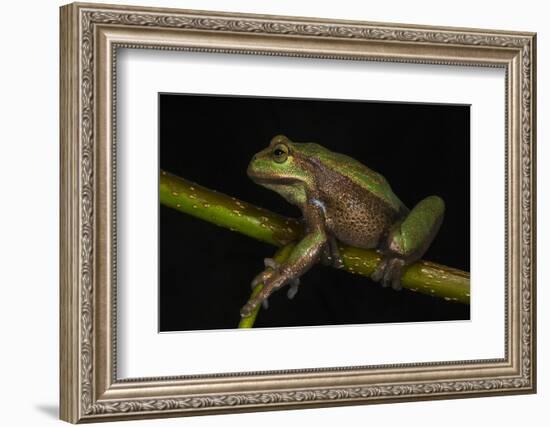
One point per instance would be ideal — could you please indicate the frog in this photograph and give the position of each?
(342, 201)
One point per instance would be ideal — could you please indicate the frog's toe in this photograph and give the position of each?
(389, 272)
(247, 309)
(293, 289)
(271, 267)
(393, 273)
(396, 284)
(262, 277)
(271, 263)
(378, 273)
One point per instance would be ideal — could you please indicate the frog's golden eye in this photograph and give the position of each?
(280, 153)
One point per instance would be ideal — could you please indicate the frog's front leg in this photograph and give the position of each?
(408, 240)
(305, 254)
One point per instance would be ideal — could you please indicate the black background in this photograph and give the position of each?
(205, 270)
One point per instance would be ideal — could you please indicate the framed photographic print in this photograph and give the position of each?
(341, 125)
(266, 212)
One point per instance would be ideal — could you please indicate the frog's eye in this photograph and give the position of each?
(280, 153)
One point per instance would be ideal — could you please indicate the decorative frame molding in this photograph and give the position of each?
(90, 35)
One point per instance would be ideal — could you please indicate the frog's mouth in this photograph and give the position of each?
(263, 179)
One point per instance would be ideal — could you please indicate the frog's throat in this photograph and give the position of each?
(294, 193)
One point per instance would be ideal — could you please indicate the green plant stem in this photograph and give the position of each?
(424, 276)
(225, 211)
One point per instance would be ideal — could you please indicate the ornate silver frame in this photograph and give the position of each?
(90, 35)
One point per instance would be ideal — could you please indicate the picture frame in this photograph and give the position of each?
(91, 37)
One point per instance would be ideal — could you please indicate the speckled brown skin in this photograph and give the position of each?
(352, 215)
(341, 201)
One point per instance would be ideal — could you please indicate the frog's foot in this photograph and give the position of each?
(272, 280)
(294, 283)
(272, 268)
(389, 272)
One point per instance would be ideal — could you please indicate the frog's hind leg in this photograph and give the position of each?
(294, 283)
(408, 240)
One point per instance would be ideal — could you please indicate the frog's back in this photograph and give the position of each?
(355, 171)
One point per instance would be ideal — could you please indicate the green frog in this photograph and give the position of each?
(344, 201)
